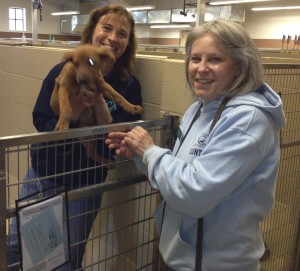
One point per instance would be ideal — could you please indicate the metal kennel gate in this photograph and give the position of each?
(123, 236)
(281, 229)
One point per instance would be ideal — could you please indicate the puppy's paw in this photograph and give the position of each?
(135, 109)
(61, 126)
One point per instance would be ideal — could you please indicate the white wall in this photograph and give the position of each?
(143, 31)
(272, 25)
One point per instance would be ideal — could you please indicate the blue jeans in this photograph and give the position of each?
(82, 213)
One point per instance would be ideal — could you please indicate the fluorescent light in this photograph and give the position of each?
(170, 26)
(135, 8)
(65, 13)
(274, 8)
(224, 2)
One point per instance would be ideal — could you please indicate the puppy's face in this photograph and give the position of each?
(89, 62)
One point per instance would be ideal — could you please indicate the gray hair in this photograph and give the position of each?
(235, 39)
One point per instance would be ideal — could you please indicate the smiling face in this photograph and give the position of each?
(112, 31)
(211, 69)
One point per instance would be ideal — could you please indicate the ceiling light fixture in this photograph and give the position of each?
(170, 26)
(73, 12)
(224, 2)
(274, 8)
(135, 8)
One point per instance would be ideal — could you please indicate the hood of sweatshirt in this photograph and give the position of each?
(265, 99)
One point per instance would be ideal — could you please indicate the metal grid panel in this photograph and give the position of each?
(285, 80)
(281, 229)
(123, 236)
(127, 239)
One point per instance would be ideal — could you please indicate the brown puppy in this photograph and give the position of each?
(83, 68)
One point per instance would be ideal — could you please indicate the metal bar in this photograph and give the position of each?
(281, 66)
(25, 139)
(290, 144)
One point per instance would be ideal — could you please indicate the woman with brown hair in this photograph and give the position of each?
(111, 26)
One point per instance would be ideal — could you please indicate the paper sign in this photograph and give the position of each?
(41, 229)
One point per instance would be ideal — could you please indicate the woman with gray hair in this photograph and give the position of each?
(218, 183)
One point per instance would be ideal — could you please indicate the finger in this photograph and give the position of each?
(114, 146)
(112, 141)
(87, 104)
(128, 141)
(116, 135)
(119, 152)
(132, 136)
(86, 92)
(89, 93)
(139, 129)
(108, 141)
(136, 132)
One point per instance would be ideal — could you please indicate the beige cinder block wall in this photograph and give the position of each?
(164, 86)
(22, 70)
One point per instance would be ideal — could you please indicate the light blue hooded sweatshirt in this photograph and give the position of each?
(228, 177)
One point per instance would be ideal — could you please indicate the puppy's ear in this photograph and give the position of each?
(106, 54)
(68, 56)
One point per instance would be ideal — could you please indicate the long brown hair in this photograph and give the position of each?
(125, 63)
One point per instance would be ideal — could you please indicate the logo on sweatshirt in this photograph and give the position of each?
(197, 149)
(202, 141)
(112, 106)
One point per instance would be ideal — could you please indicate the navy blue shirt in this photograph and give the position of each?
(69, 162)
